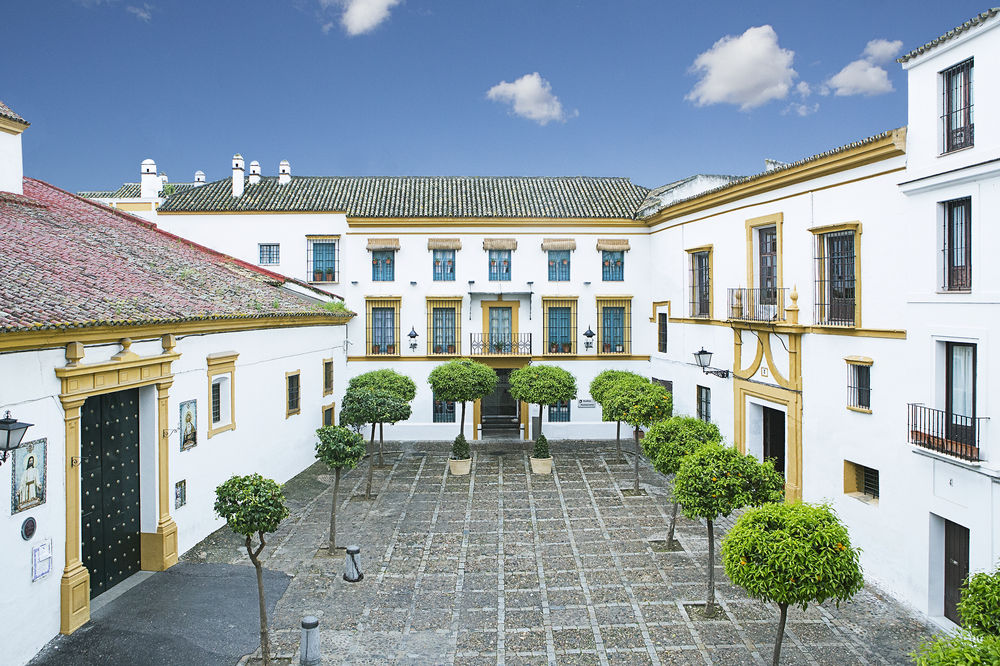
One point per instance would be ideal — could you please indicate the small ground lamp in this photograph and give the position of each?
(704, 358)
(11, 433)
(413, 338)
(589, 342)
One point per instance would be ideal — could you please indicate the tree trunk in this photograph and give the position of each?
(673, 524)
(461, 426)
(540, 419)
(333, 511)
(710, 604)
(265, 643)
(781, 633)
(636, 436)
(381, 435)
(371, 461)
(618, 441)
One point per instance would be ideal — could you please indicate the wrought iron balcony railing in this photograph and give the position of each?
(517, 344)
(952, 434)
(756, 304)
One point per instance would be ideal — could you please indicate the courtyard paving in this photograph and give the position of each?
(505, 567)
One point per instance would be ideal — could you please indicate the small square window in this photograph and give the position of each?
(383, 266)
(612, 265)
(559, 265)
(292, 394)
(704, 403)
(559, 412)
(444, 265)
(859, 384)
(322, 259)
(499, 265)
(270, 254)
(861, 482)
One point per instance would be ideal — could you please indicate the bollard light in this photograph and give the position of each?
(352, 565)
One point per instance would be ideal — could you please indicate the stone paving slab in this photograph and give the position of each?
(504, 567)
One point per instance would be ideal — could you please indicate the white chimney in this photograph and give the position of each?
(284, 172)
(254, 172)
(163, 180)
(199, 178)
(238, 175)
(11, 166)
(149, 183)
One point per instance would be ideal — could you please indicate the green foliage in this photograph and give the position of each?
(168, 189)
(961, 649)
(250, 504)
(667, 442)
(337, 307)
(387, 380)
(362, 406)
(542, 384)
(639, 405)
(979, 607)
(338, 447)
(541, 448)
(793, 554)
(462, 380)
(716, 480)
(604, 381)
(460, 449)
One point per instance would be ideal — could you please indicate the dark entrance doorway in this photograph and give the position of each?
(774, 438)
(109, 473)
(956, 567)
(499, 410)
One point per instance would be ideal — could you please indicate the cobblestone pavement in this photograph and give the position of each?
(505, 567)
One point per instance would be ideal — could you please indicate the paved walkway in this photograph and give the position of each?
(504, 567)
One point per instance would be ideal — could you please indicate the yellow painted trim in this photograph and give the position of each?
(559, 302)
(371, 302)
(477, 417)
(223, 363)
(775, 220)
(861, 410)
(602, 302)
(711, 278)
(525, 420)
(656, 306)
(829, 228)
(9, 126)
(298, 410)
(514, 306)
(889, 333)
(327, 390)
(331, 407)
(454, 302)
(133, 206)
(858, 360)
(574, 222)
(856, 228)
(517, 362)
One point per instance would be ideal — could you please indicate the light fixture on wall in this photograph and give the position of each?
(704, 359)
(11, 433)
(589, 342)
(413, 338)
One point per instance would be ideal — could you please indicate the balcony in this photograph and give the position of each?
(517, 344)
(950, 434)
(757, 305)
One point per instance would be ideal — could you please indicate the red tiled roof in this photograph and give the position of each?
(10, 114)
(69, 262)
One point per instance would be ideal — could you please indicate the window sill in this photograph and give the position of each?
(860, 410)
(956, 150)
(861, 497)
(324, 282)
(954, 291)
(294, 412)
(397, 355)
(212, 432)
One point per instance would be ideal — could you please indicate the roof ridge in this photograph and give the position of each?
(973, 22)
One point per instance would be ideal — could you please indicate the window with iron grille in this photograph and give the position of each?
(957, 118)
(444, 265)
(270, 254)
(767, 264)
(859, 386)
(835, 278)
(867, 481)
(661, 332)
(958, 245)
(613, 265)
(443, 330)
(701, 284)
(559, 412)
(704, 403)
(327, 376)
(382, 334)
(559, 265)
(614, 326)
(444, 411)
(292, 394)
(665, 383)
(499, 265)
(328, 415)
(383, 268)
(216, 401)
(559, 325)
(322, 259)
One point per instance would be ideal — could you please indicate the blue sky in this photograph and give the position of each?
(647, 89)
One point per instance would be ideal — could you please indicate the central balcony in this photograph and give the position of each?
(951, 434)
(757, 305)
(517, 344)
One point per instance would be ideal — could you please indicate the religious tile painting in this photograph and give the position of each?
(189, 424)
(27, 483)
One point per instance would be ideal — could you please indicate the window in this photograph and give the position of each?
(704, 396)
(859, 384)
(767, 264)
(444, 325)
(956, 119)
(327, 376)
(322, 258)
(665, 383)
(558, 265)
(292, 394)
(444, 265)
(960, 393)
(499, 265)
(861, 482)
(559, 412)
(270, 254)
(382, 266)
(382, 331)
(328, 414)
(701, 283)
(444, 411)
(836, 258)
(559, 325)
(614, 325)
(221, 397)
(613, 265)
(661, 333)
(957, 246)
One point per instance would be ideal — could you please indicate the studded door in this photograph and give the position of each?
(110, 488)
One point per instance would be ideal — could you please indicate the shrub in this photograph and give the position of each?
(460, 449)
(979, 606)
(961, 649)
(541, 448)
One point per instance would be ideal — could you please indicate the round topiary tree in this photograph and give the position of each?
(375, 406)
(716, 480)
(462, 380)
(338, 448)
(600, 385)
(667, 442)
(639, 405)
(387, 380)
(792, 554)
(979, 640)
(542, 385)
(252, 505)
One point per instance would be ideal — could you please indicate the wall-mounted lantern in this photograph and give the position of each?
(413, 338)
(589, 342)
(704, 359)
(11, 433)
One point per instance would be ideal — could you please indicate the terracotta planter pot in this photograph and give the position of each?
(541, 465)
(459, 467)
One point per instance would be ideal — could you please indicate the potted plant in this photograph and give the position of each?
(437, 349)
(541, 459)
(451, 349)
(567, 347)
(317, 275)
(390, 349)
(376, 349)
(607, 346)
(329, 275)
(460, 461)
(553, 347)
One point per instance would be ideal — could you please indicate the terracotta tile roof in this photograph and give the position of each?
(951, 34)
(417, 196)
(74, 263)
(10, 114)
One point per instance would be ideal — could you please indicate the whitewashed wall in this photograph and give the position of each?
(11, 169)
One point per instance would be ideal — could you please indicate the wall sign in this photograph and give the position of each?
(189, 425)
(586, 404)
(41, 560)
(27, 480)
(28, 528)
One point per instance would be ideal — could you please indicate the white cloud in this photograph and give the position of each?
(882, 50)
(144, 13)
(530, 97)
(800, 109)
(749, 70)
(860, 77)
(803, 89)
(359, 16)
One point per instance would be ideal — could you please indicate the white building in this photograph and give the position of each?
(151, 369)
(143, 198)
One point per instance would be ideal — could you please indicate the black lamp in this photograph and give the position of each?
(11, 434)
(703, 358)
(589, 334)
(413, 338)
